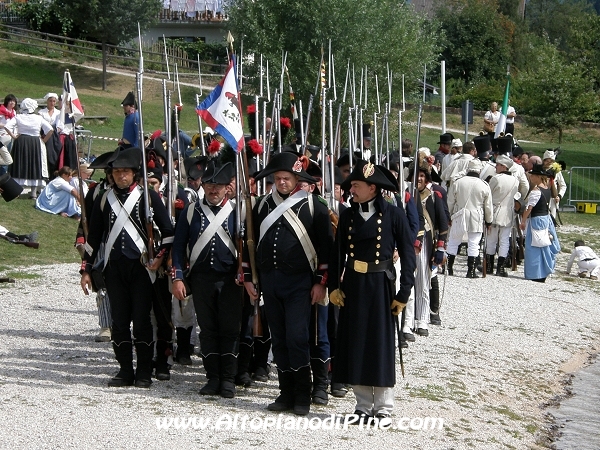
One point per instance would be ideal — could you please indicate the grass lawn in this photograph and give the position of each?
(30, 77)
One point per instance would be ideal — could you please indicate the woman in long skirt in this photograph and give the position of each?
(539, 261)
(60, 197)
(29, 149)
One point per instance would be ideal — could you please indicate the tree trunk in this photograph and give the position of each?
(560, 135)
(104, 58)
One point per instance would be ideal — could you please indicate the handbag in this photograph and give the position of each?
(540, 238)
(489, 127)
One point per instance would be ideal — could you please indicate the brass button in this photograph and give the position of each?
(376, 253)
(378, 238)
(378, 246)
(349, 228)
(349, 237)
(376, 261)
(352, 254)
(351, 245)
(380, 214)
(378, 220)
(379, 229)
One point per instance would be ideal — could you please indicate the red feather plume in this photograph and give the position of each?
(214, 147)
(255, 147)
(285, 122)
(156, 134)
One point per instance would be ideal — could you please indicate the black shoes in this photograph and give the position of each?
(339, 390)
(143, 383)
(422, 332)
(227, 389)
(244, 379)
(117, 381)
(434, 319)
(213, 387)
(261, 374)
(281, 403)
(409, 337)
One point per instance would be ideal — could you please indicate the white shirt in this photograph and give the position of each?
(508, 112)
(581, 253)
(29, 124)
(53, 119)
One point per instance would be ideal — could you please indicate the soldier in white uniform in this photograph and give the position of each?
(504, 187)
(474, 196)
(559, 182)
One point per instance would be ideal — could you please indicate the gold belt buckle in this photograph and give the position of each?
(360, 266)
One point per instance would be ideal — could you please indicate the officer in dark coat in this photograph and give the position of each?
(294, 238)
(367, 235)
(207, 232)
(118, 219)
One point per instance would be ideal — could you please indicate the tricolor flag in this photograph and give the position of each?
(70, 94)
(501, 125)
(221, 109)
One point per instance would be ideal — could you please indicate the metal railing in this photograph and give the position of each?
(583, 185)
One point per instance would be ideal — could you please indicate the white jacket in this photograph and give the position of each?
(504, 187)
(475, 196)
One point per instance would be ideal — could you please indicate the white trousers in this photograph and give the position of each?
(593, 267)
(374, 400)
(473, 244)
(498, 236)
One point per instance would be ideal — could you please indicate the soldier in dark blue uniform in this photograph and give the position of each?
(118, 218)
(294, 238)
(207, 230)
(367, 235)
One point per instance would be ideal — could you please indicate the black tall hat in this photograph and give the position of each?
(504, 144)
(482, 144)
(284, 125)
(129, 100)
(251, 110)
(446, 138)
(366, 131)
(372, 174)
(158, 147)
(218, 174)
(10, 188)
(287, 162)
(298, 127)
(101, 162)
(128, 158)
(338, 176)
(195, 161)
(345, 158)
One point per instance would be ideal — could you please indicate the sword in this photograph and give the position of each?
(399, 345)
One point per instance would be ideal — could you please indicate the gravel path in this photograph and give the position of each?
(498, 358)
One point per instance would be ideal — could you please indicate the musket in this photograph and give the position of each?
(311, 98)
(513, 238)
(257, 323)
(167, 108)
(415, 178)
(484, 262)
(148, 210)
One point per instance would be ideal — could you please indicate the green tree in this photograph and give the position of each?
(555, 93)
(109, 21)
(371, 33)
(478, 40)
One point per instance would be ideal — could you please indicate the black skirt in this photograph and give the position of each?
(26, 168)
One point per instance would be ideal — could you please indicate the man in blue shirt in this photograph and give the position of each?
(131, 124)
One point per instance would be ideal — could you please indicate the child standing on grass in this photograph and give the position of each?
(588, 261)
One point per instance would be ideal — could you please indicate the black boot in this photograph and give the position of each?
(489, 264)
(124, 355)
(143, 371)
(451, 264)
(501, 269)
(285, 400)
(243, 363)
(302, 390)
(320, 370)
(228, 371)
(183, 346)
(212, 367)
(471, 267)
(163, 350)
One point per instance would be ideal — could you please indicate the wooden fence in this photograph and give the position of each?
(126, 58)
